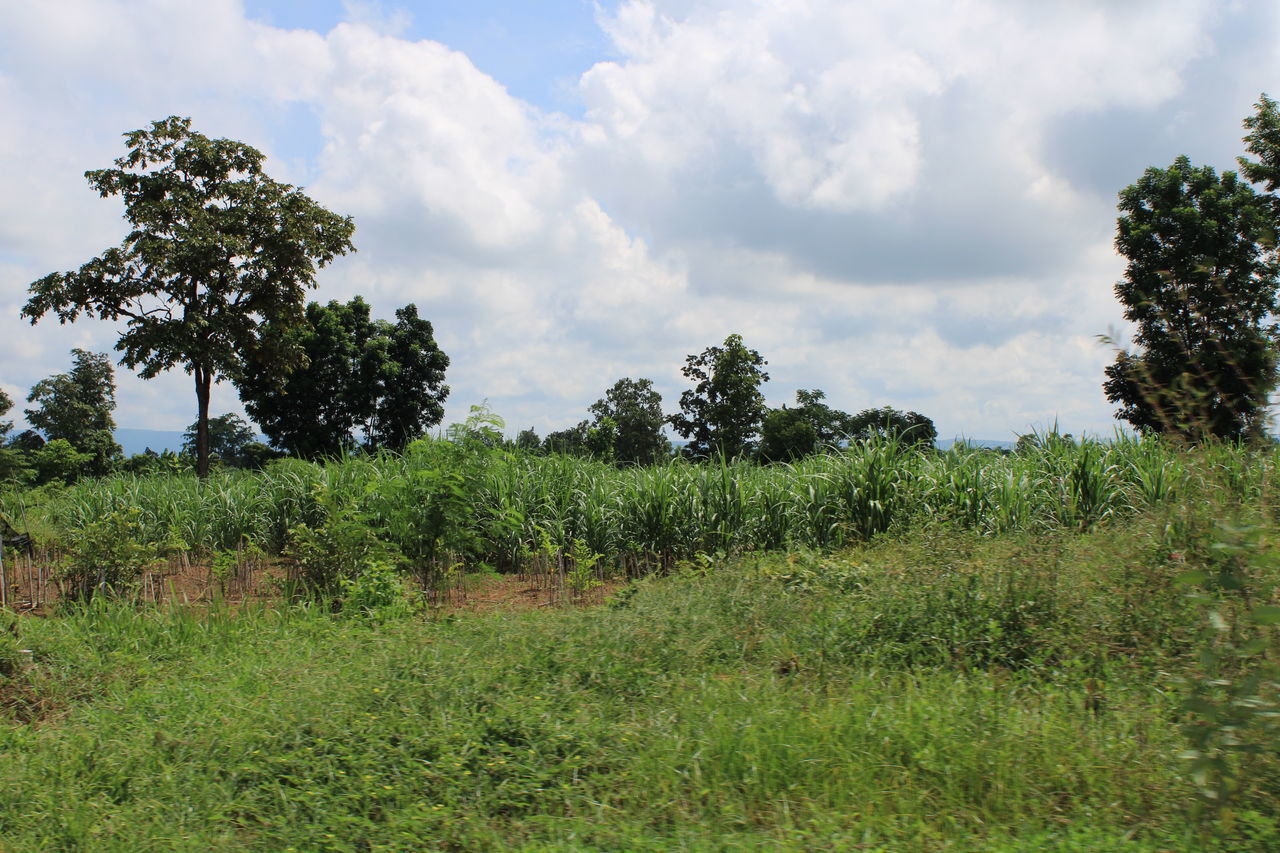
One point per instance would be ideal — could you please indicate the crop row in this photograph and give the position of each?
(488, 505)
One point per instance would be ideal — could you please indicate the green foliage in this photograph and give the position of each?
(581, 574)
(377, 591)
(106, 556)
(468, 499)
(425, 506)
(1263, 141)
(216, 249)
(910, 428)
(527, 440)
(721, 709)
(410, 382)
(339, 548)
(361, 377)
(631, 412)
(809, 427)
(571, 441)
(77, 407)
(150, 462)
(58, 461)
(6, 403)
(1200, 285)
(723, 412)
(787, 435)
(11, 655)
(12, 461)
(229, 439)
(1233, 699)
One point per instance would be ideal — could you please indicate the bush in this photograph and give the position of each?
(106, 556)
(377, 591)
(340, 549)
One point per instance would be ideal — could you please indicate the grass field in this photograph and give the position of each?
(1071, 649)
(938, 691)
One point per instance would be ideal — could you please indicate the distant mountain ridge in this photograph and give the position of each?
(138, 440)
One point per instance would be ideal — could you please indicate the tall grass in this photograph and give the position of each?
(654, 516)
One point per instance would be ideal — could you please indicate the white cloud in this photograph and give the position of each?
(873, 194)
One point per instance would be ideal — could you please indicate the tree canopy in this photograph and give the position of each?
(1200, 285)
(229, 437)
(363, 378)
(887, 422)
(76, 407)
(216, 249)
(6, 403)
(632, 409)
(790, 433)
(724, 410)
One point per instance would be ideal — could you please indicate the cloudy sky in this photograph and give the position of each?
(908, 204)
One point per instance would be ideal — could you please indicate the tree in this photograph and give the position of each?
(216, 249)
(1263, 142)
(1033, 442)
(409, 381)
(723, 412)
(571, 441)
(786, 435)
(229, 436)
(58, 461)
(635, 410)
(11, 459)
(6, 403)
(1200, 284)
(361, 377)
(791, 433)
(910, 428)
(77, 406)
(528, 441)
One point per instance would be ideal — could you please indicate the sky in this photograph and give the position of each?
(905, 204)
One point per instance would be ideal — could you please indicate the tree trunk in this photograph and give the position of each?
(203, 383)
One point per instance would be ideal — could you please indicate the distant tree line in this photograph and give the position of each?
(724, 414)
(366, 385)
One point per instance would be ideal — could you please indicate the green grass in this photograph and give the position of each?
(935, 692)
(650, 517)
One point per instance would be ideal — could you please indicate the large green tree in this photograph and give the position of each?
(887, 422)
(1200, 286)
(790, 433)
(722, 413)
(229, 437)
(409, 370)
(635, 410)
(216, 249)
(76, 407)
(581, 439)
(362, 378)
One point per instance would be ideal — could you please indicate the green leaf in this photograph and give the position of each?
(1267, 614)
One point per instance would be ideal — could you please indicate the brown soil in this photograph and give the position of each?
(512, 593)
(33, 591)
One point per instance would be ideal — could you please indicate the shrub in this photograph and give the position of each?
(342, 547)
(106, 556)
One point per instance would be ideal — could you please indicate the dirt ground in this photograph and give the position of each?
(31, 587)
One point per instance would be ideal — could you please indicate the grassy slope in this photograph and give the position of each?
(919, 695)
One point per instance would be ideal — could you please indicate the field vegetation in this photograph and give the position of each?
(883, 648)
(468, 501)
